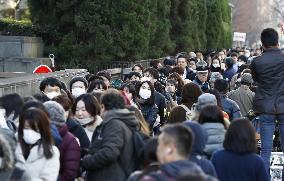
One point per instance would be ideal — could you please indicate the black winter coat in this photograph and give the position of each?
(110, 155)
(77, 130)
(268, 73)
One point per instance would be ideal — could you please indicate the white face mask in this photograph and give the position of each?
(86, 121)
(145, 79)
(52, 95)
(76, 92)
(145, 93)
(215, 65)
(247, 55)
(31, 136)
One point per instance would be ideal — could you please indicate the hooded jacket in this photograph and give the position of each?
(197, 154)
(110, 154)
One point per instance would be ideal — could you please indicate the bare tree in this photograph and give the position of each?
(278, 7)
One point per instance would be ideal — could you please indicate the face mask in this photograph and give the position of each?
(52, 95)
(31, 136)
(247, 55)
(85, 121)
(215, 65)
(145, 79)
(76, 92)
(145, 93)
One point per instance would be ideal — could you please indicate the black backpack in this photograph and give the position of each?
(139, 141)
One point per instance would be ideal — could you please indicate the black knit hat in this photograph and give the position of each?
(76, 79)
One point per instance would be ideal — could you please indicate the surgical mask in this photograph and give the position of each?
(52, 95)
(31, 136)
(215, 65)
(85, 121)
(76, 92)
(247, 55)
(145, 93)
(145, 79)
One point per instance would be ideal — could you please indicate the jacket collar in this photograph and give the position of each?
(36, 153)
(271, 49)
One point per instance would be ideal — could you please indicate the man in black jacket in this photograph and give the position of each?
(268, 72)
(110, 154)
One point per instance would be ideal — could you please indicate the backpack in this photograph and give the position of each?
(188, 113)
(139, 141)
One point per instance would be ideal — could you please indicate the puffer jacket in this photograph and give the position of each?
(216, 135)
(110, 156)
(69, 155)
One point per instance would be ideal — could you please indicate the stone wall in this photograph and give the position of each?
(28, 84)
(21, 46)
(22, 64)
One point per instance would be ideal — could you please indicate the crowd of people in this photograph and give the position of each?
(185, 118)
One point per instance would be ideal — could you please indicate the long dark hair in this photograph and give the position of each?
(151, 100)
(38, 121)
(175, 76)
(240, 137)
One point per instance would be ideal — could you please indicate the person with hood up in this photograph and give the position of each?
(111, 152)
(197, 154)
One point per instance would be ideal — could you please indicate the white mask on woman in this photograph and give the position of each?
(145, 93)
(30, 136)
(215, 65)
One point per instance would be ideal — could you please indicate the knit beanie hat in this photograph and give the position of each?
(246, 79)
(56, 112)
(76, 79)
(214, 76)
